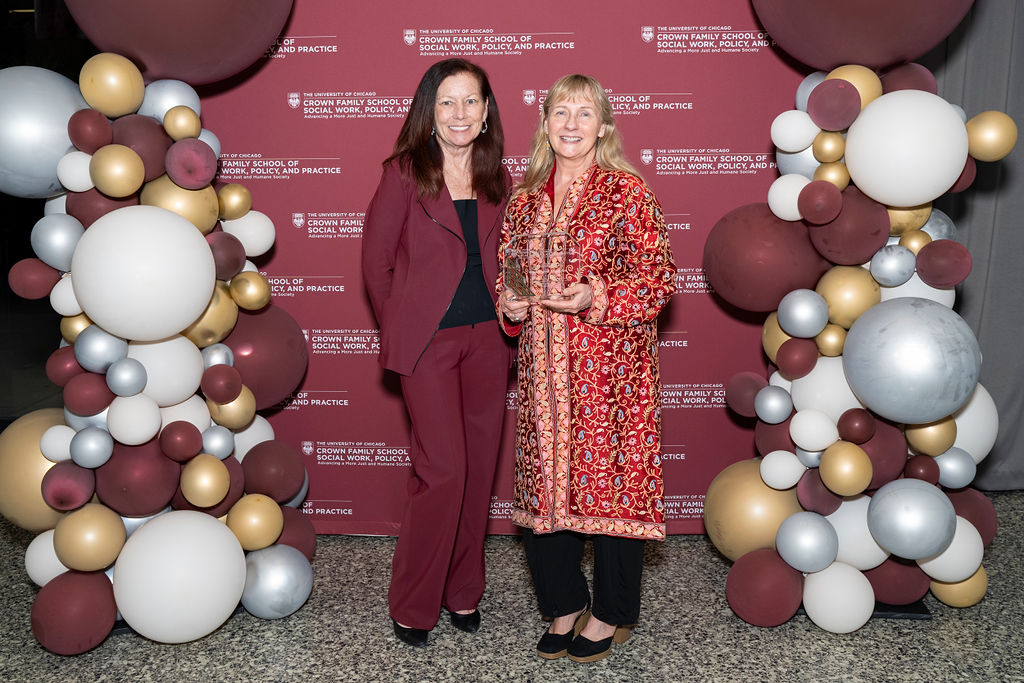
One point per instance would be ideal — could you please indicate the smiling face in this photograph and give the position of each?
(459, 111)
(573, 127)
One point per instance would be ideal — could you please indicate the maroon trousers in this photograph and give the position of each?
(456, 403)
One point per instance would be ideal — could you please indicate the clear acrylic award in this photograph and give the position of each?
(534, 265)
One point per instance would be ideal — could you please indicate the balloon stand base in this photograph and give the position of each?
(915, 610)
(121, 626)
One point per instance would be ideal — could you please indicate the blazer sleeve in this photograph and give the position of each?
(383, 227)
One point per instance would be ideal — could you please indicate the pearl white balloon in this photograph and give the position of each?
(807, 542)
(254, 230)
(813, 430)
(839, 598)
(803, 313)
(174, 368)
(803, 91)
(133, 420)
(55, 205)
(73, 171)
(793, 130)
(258, 431)
(857, 547)
(55, 443)
(781, 470)
(783, 195)
(961, 559)
(164, 94)
(62, 297)
(802, 162)
(915, 287)
(977, 424)
(773, 404)
(911, 518)
(777, 380)
(193, 409)
(825, 388)
(54, 238)
(41, 563)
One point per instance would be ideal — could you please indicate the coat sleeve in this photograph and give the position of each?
(510, 328)
(383, 226)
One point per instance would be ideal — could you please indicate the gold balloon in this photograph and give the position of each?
(991, 135)
(256, 520)
(217, 320)
(903, 219)
(22, 467)
(116, 170)
(914, 240)
(828, 146)
(933, 438)
(772, 336)
(845, 468)
(182, 122)
(198, 206)
(742, 513)
(830, 340)
(72, 326)
(849, 291)
(235, 201)
(835, 173)
(111, 84)
(236, 414)
(867, 83)
(964, 593)
(90, 538)
(205, 480)
(250, 290)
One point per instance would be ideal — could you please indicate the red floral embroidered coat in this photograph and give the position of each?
(588, 439)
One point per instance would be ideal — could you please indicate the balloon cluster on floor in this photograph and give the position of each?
(157, 492)
(872, 421)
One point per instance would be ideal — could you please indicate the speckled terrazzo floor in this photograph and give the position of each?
(687, 631)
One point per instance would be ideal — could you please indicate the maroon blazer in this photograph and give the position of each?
(414, 255)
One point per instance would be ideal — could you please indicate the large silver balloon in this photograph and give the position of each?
(807, 542)
(802, 162)
(218, 441)
(127, 377)
(956, 468)
(911, 360)
(35, 106)
(54, 238)
(91, 447)
(218, 354)
(162, 95)
(940, 226)
(773, 404)
(892, 265)
(96, 349)
(803, 313)
(911, 518)
(278, 581)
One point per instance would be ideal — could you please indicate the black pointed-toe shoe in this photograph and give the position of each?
(470, 623)
(556, 645)
(582, 649)
(417, 637)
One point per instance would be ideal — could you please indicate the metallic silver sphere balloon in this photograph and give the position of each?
(803, 91)
(212, 140)
(807, 542)
(80, 422)
(133, 523)
(803, 313)
(892, 265)
(127, 377)
(96, 349)
(54, 238)
(773, 404)
(808, 458)
(218, 441)
(802, 162)
(911, 360)
(163, 95)
(278, 581)
(940, 226)
(218, 354)
(911, 518)
(956, 468)
(91, 447)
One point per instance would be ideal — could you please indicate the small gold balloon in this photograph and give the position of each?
(182, 122)
(845, 468)
(205, 480)
(111, 84)
(22, 466)
(72, 325)
(914, 240)
(830, 340)
(116, 170)
(991, 135)
(772, 336)
(217, 320)
(90, 538)
(964, 593)
(235, 201)
(903, 219)
(848, 291)
(933, 438)
(256, 520)
(835, 173)
(828, 146)
(867, 83)
(236, 414)
(250, 290)
(198, 206)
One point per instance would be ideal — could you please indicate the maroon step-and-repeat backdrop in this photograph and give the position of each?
(695, 86)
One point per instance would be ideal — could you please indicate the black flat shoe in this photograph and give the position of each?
(470, 623)
(582, 649)
(556, 645)
(417, 637)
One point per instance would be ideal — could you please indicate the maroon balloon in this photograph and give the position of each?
(740, 391)
(976, 508)
(753, 258)
(944, 263)
(147, 137)
(74, 612)
(191, 164)
(887, 450)
(89, 130)
(833, 104)
(89, 205)
(967, 176)
(181, 440)
(62, 365)
(910, 76)
(873, 33)
(275, 469)
(228, 253)
(196, 41)
(298, 532)
(773, 437)
(796, 357)
(221, 383)
(922, 467)
(814, 496)
(236, 487)
(270, 351)
(68, 486)
(87, 393)
(137, 481)
(819, 202)
(762, 589)
(30, 278)
(861, 228)
(856, 425)
(898, 582)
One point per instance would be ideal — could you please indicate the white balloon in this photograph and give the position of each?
(174, 368)
(813, 430)
(258, 431)
(254, 230)
(802, 162)
(793, 130)
(250, 267)
(915, 286)
(857, 547)
(961, 559)
(56, 204)
(783, 195)
(62, 297)
(55, 443)
(41, 561)
(781, 470)
(163, 94)
(825, 388)
(777, 380)
(143, 273)
(133, 420)
(193, 409)
(977, 424)
(839, 598)
(73, 171)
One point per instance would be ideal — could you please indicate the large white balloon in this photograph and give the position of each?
(813, 430)
(41, 561)
(174, 368)
(825, 388)
(839, 598)
(143, 273)
(254, 230)
(857, 547)
(193, 409)
(164, 94)
(977, 424)
(961, 559)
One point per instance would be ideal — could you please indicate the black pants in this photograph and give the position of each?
(561, 586)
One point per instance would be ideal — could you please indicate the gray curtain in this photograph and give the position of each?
(981, 67)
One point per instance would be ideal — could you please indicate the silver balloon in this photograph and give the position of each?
(773, 404)
(803, 91)
(956, 468)
(807, 542)
(940, 226)
(299, 497)
(218, 441)
(802, 162)
(911, 518)
(35, 107)
(96, 349)
(127, 377)
(278, 581)
(56, 204)
(911, 360)
(80, 422)
(162, 95)
(803, 313)
(808, 458)
(91, 447)
(54, 238)
(892, 265)
(218, 354)
(133, 523)
(212, 140)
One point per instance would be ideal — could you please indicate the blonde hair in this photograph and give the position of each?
(609, 147)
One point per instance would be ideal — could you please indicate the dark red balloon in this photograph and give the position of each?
(753, 258)
(976, 508)
(270, 352)
(762, 589)
(74, 612)
(861, 228)
(833, 104)
(181, 440)
(89, 205)
(856, 425)
(195, 41)
(147, 137)
(298, 532)
(944, 263)
(910, 76)
(898, 582)
(773, 437)
(87, 393)
(967, 176)
(236, 487)
(228, 253)
(30, 278)
(796, 357)
(137, 481)
(89, 130)
(221, 383)
(819, 202)
(887, 450)
(191, 164)
(275, 469)
(814, 496)
(62, 365)
(922, 467)
(740, 391)
(68, 486)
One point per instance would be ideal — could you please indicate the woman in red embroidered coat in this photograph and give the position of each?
(588, 439)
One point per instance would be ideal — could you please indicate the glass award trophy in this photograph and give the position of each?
(534, 266)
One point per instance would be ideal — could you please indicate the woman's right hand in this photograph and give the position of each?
(512, 308)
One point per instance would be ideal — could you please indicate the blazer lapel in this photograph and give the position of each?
(487, 219)
(442, 212)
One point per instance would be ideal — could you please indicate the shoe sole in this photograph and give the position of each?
(620, 636)
(581, 621)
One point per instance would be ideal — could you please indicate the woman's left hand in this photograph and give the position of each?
(575, 298)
